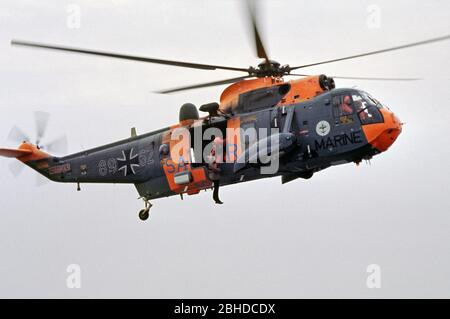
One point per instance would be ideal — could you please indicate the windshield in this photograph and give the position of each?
(367, 108)
(370, 99)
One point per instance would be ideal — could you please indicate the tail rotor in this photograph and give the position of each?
(58, 146)
(41, 120)
(17, 136)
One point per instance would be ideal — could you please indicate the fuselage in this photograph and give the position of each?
(324, 134)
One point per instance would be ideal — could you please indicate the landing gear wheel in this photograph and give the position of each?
(144, 214)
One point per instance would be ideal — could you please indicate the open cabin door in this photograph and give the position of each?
(181, 176)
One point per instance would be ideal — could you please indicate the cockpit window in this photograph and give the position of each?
(370, 98)
(343, 109)
(367, 108)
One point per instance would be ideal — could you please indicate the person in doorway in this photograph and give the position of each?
(213, 167)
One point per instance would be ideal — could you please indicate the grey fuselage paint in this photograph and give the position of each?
(137, 160)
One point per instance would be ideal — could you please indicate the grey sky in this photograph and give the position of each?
(310, 238)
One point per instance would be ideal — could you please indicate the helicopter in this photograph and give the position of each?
(263, 126)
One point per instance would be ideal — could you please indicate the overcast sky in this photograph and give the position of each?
(311, 238)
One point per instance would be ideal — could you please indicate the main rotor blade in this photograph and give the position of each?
(375, 52)
(203, 85)
(364, 78)
(16, 135)
(41, 119)
(126, 57)
(260, 50)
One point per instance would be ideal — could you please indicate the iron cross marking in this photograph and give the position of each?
(128, 162)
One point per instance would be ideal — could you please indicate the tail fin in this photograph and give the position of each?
(25, 153)
(17, 153)
(30, 155)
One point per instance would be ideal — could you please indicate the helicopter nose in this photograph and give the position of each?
(381, 136)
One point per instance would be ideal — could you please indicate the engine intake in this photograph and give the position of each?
(326, 83)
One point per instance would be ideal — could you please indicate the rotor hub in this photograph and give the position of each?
(269, 68)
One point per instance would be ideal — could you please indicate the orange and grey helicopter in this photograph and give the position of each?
(316, 126)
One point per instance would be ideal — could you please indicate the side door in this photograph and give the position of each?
(181, 175)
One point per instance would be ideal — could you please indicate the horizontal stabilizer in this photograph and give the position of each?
(7, 152)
